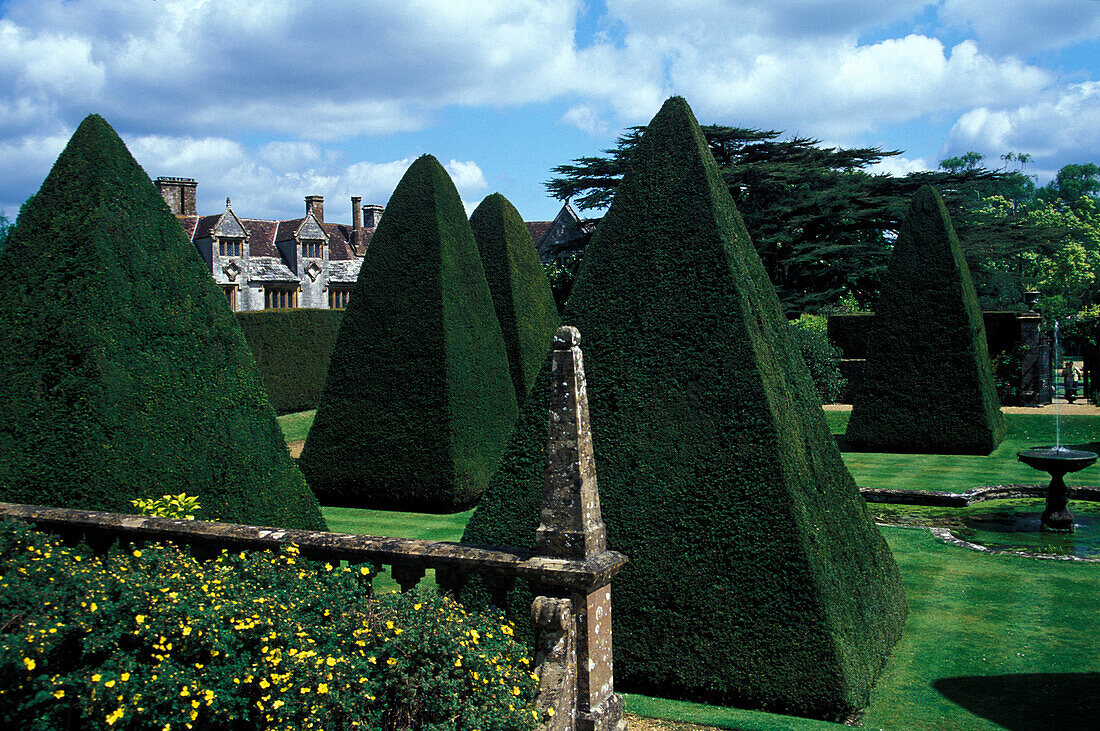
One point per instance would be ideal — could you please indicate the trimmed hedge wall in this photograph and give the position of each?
(756, 576)
(927, 384)
(292, 349)
(521, 292)
(418, 402)
(123, 373)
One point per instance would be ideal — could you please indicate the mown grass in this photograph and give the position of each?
(296, 426)
(992, 641)
(959, 473)
(425, 526)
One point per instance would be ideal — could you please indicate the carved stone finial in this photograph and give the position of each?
(571, 524)
(228, 203)
(566, 337)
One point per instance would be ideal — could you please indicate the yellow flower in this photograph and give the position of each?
(29, 663)
(96, 677)
(389, 625)
(417, 606)
(322, 688)
(515, 690)
(183, 693)
(364, 570)
(137, 554)
(140, 619)
(391, 661)
(505, 629)
(278, 704)
(264, 684)
(124, 677)
(59, 694)
(93, 608)
(331, 662)
(110, 684)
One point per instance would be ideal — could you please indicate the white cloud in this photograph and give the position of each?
(467, 176)
(1061, 127)
(586, 119)
(27, 160)
(900, 165)
(1022, 27)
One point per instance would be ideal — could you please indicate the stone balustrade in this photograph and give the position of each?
(571, 566)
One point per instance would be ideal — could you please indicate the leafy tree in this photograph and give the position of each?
(1072, 184)
(821, 222)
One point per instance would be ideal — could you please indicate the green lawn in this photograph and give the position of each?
(296, 426)
(958, 473)
(992, 642)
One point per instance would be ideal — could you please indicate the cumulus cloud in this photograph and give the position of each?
(1022, 27)
(900, 165)
(1064, 124)
(199, 74)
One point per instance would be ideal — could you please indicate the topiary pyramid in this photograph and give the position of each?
(521, 292)
(927, 382)
(122, 371)
(418, 403)
(756, 576)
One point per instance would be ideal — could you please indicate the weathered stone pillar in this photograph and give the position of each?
(572, 527)
(1032, 390)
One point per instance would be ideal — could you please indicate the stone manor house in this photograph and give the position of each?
(308, 262)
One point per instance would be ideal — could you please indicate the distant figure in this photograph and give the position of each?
(1069, 381)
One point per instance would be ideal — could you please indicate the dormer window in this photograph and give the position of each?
(312, 249)
(230, 247)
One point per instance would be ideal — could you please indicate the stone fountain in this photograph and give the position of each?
(1057, 461)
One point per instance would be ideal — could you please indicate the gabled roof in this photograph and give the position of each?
(228, 225)
(310, 229)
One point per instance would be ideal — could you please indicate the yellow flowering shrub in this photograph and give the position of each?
(155, 639)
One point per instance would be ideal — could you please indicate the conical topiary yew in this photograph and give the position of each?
(418, 402)
(927, 383)
(122, 371)
(756, 576)
(521, 292)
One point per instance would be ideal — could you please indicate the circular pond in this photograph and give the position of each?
(1004, 525)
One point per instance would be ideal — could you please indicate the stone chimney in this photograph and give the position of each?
(179, 194)
(315, 204)
(356, 224)
(371, 216)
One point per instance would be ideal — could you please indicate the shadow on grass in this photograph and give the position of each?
(1028, 702)
(842, 443)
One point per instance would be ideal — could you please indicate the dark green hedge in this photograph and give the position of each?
(850, 332)
(521, 292)
(123, 373)
(927, 384)
(292, 349)
(756, 576)
(418, 402)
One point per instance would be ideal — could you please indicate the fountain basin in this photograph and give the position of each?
(1057, 459)
(1057, 462)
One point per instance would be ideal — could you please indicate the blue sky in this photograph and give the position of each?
(269, 101)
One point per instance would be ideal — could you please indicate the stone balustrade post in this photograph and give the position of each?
(571, 527)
